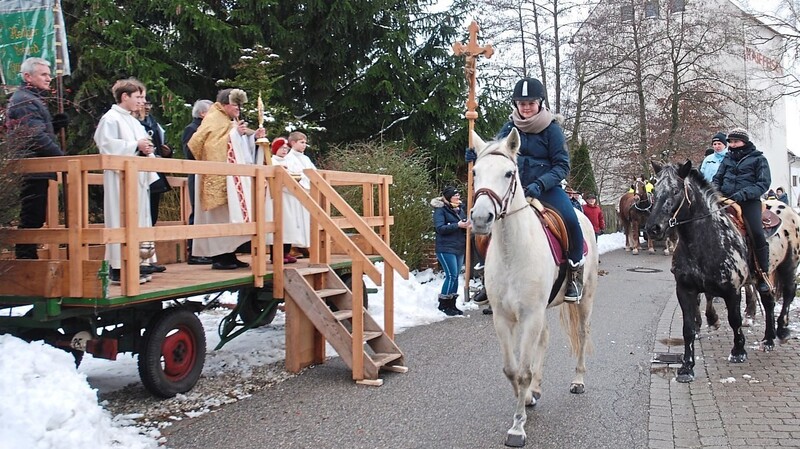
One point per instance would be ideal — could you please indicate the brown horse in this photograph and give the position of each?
(634, 208)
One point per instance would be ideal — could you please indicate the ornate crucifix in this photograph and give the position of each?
(470, 52)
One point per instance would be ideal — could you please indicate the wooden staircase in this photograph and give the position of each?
(316, 292)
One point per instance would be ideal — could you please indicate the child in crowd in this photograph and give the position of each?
(594, 213)
(293, 231)
(298, 142)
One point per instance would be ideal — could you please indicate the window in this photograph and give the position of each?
(677, 6)
(794, 180)
(626, 13)
(651, 9)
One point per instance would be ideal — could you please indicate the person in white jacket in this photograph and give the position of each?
(120, 133)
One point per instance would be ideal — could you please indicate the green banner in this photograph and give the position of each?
(27, 29)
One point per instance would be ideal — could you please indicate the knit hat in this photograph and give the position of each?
(591, 196)
(448, 192)
(277, 144)
(719, 137)
(739, 134)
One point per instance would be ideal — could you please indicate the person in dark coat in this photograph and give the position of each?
(199, 110)
(450, 222)
(30, 130)
(543, 161)
(743, 177)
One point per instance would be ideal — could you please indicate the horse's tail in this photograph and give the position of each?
(575, 322)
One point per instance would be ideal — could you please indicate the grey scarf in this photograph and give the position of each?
(535, 124)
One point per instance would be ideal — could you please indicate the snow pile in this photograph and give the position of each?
(48, 404)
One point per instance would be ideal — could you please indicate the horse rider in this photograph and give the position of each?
(743, 177)
(711, 163)
(543, 161)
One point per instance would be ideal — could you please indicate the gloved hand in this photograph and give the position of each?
(470, 155)
(60, 121)
(737, 197)
(533, 190)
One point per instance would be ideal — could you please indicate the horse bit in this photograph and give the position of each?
(497, 201)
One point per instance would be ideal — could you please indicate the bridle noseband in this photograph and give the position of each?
(497, 201)
(673, 222)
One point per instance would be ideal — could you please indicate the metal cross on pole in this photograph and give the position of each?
(470, 52)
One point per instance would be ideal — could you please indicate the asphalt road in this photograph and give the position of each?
(455, 395)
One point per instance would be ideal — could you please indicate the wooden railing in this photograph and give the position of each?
(76, 231)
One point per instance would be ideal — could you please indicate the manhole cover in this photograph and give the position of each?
(668, 358)
(644, 270)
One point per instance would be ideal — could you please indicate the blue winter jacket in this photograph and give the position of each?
(543, 158)
(449, 237)
(711, 163)
(746, 179)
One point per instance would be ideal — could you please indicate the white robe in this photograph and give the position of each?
(118, 133)
(296, 228)
(297, 162)
(239, 208)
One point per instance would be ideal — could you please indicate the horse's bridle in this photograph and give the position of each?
(639, 199)
(497, 201)
(674, 220)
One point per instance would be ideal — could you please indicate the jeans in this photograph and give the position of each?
(451, 265)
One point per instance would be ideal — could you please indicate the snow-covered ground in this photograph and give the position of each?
(48, 404)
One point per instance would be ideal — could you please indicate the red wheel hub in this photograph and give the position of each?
(178, 352)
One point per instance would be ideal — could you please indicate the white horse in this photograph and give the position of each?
(519, 275)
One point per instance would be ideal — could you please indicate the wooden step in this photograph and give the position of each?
(342, 315)
(382, 359)
(308, 271)
(327, 292)
(371, 335)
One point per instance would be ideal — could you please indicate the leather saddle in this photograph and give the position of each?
(770, 221)
(554, 227)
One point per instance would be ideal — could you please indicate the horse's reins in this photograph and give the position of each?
(497, 201)
(674, 222)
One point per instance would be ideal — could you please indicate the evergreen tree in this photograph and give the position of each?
(581, 172)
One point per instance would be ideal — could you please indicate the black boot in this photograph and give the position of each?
(574, 283)
(447, 304)
(452, 303)
(762, 256)
(481, 298)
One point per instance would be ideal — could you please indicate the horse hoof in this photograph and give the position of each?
(666, 252)
(784, 334)
(651, 251)
(685, 378)
(515, 440)
(737, 358)
(577, 388)
(768, 345)
(635, 252)
(627, 249)
(747, 322)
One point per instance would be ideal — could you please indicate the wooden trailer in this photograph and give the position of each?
(68, 301)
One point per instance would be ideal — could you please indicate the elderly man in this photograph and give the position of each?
(31, 133)
(222, 137)
(199, 111)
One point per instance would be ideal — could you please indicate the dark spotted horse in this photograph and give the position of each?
(712, 256)
(634, 208)
(523, 279)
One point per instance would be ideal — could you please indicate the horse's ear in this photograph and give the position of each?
(513, 142)
(477, 142)
(684, 169)
(656, 167)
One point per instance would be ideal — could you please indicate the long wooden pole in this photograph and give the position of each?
(470, 52)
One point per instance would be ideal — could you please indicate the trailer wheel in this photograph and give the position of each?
(173, 353)
(253, 302)
(347, 278)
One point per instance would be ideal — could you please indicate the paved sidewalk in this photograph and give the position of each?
(755, 404)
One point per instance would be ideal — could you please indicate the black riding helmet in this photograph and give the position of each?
(528, 89)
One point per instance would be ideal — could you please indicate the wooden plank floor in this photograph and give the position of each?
(182, 280)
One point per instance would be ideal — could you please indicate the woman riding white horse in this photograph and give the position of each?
(522, 278)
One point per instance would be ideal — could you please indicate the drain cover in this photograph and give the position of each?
(668, 358)
(644, 270)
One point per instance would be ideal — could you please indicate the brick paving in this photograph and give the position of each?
(751, 405)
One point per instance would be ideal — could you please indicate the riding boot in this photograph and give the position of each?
(574, 282)
(762, 257)
(480, 298)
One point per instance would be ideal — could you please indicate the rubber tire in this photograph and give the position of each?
(347, 278)
(253, 306)
(182, 331)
